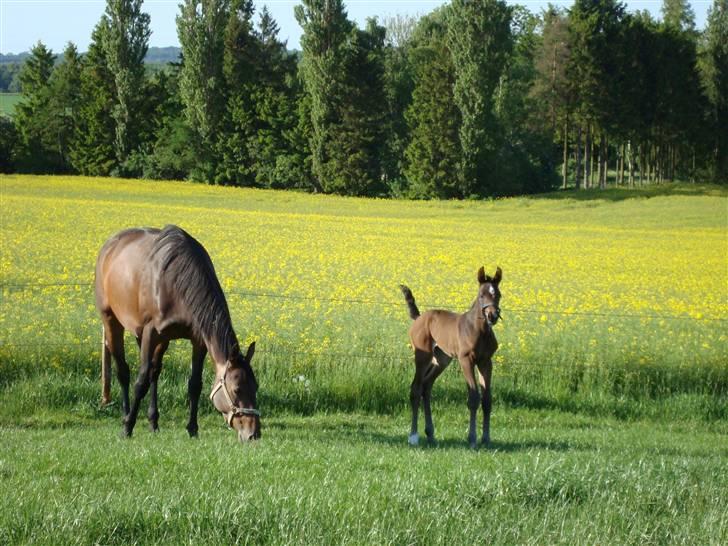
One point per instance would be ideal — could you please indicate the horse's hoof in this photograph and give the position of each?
(154, 428)
(485, 441)
(414, 439)
(431, 441)
(192, 432)
(125, 432)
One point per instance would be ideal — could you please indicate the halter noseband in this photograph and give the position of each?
(235, 411)
(497, 309)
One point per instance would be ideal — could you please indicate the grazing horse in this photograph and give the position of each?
(160, 285)
(437, 336)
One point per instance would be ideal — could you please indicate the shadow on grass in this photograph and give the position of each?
(616, 194)
(400, 440)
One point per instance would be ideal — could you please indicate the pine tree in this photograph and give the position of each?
(433, 154)
(65, 101)
(125, 45)
(33, 118)
(479, 38)
(92, 149)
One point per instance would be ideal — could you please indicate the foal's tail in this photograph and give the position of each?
(410, 299)
(105, 371)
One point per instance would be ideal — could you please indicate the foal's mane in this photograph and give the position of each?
(188, 266)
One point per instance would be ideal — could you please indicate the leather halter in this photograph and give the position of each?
(234, 411)
(497, 309)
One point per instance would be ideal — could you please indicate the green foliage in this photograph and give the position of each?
(92, 147)
(480, 42)
(433, 152)
(342, 70)
(714, 75)
(8, 144)
(34, 117)
(200, 27)
(125, 45)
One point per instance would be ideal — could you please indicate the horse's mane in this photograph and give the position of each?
(188, 266)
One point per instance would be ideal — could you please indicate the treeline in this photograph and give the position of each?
(475, 99)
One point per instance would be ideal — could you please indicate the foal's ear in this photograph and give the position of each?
(482, 279)
(250, 353)
(498, 275)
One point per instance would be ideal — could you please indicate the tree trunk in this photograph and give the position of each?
(630, 164)
(604, 160)
(587, 157)
(577, 181)
(565, 169)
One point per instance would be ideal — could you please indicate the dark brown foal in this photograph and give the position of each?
(438, 336)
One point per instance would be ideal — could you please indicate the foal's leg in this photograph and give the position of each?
(484, 377)
(194, 385)
(422, 363)
(439, 362)
(468, 367)
(149, 342)
(114, 332)
(155, 370)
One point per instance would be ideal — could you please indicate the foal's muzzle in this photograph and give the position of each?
(492, 316)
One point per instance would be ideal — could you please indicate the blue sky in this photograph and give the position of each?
(55, 22)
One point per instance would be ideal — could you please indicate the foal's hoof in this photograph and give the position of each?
(431, 441)
(414, 439)
(153, 427)
(192, 431)
(125, 432)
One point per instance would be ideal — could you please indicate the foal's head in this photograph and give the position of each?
(234, 395)
(489, 295)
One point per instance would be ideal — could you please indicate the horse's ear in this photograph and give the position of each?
(481, 275)
(498, 275)
(250, 353)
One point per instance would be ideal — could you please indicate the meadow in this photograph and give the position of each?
(610, 385)
(8, 102)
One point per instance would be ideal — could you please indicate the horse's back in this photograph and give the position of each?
(122, 275)
(436, 325)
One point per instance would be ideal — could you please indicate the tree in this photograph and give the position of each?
(201, 30)
(342, 70)
(65, 102)
(678, 14)
(33, 118)
(714, 76)
(432, 155)
(480, 41)
(125, 44)
(91, 149)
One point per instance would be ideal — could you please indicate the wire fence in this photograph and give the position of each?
(396, 303)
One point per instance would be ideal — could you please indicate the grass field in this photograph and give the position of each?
(8, 102)
(610, 386)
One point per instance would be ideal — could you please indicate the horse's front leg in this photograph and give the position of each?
(468, 366)
(147, 347)
(194, 386)
(484, 378)
(155, 370)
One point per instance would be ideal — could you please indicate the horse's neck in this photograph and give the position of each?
(219, 353)
(475, 318)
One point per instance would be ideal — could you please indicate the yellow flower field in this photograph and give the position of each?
(640, 278)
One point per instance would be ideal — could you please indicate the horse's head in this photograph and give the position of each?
(489, 295)
(234, 395)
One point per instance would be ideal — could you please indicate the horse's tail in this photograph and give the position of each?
(410, 299)
(105, 370)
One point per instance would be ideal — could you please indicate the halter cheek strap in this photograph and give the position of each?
(234, 411)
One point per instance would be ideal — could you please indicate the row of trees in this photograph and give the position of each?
(474, 99)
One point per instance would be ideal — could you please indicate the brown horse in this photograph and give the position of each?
(437, 336)
(160, 285)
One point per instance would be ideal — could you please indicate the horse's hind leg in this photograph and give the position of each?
(155, 370)
(422, 363)
(440, 361)
(114, 334)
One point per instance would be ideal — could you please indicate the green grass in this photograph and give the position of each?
(550, 478)
(8, 101)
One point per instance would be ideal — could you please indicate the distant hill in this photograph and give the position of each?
(155, 55)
